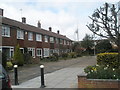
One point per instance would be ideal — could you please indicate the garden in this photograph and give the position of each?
(108, 67)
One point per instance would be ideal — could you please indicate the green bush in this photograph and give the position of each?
(9, 65)
(102, 72)
(18, 57)
(72, 54)
(56, 55)
(108, 59)
(53, 57)
(64, 55)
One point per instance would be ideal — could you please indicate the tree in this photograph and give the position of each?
(104, 46)
(87, 43)
(105, 23)
(18, 56)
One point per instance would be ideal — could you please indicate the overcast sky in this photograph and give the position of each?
(63, 15)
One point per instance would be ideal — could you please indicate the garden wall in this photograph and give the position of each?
(83, 82)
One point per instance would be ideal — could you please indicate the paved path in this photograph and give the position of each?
(63, 78)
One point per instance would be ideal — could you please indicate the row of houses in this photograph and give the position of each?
(38, 41)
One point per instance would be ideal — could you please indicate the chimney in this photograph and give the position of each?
(50, 29)
(1, 12)
(23, 20)
(39, 24)
(58, 32)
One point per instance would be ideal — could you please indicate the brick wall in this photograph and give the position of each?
(83, 82)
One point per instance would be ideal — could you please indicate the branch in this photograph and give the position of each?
(96, 33)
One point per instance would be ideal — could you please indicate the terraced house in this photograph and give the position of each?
(38, 41)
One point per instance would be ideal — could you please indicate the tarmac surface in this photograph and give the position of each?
(62, 74)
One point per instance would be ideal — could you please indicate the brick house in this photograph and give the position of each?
(38, 41)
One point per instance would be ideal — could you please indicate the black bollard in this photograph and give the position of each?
(42, 76)
(16, 75)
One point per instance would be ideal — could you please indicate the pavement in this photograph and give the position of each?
(63, 78)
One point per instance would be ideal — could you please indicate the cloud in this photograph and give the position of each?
(60, 15)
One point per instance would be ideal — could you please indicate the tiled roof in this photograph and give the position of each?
(31, 28)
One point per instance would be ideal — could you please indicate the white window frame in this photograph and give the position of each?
(38, 49)
(30, 36)
(61, 41)
(46, 52)
(64, 42)
(46, 38)
(20, 34)
(22, 49)
(51, 39)
(38, 37)
(57, 40)
(5, 31)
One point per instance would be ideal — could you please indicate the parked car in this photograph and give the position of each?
(4, 79)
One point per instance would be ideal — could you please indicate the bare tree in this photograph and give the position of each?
(106, 22)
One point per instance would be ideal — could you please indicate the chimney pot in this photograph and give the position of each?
(58, 32)
(1, 12)
(39, 24)
(50, 28)
(23, 20)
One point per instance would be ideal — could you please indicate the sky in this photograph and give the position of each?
(64, 15)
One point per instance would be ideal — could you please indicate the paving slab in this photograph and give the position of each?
(64, 78)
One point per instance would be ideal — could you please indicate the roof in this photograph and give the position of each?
(31, 28)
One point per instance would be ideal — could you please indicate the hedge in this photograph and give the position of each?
(108, 59)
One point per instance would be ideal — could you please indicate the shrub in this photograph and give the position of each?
(72, 54)
(64, 55)
(18, 57)
(52, 58)
(110, 59)
(56, 55)
(102, 72)
(9, 65)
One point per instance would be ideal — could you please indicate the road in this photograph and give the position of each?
(28, 72)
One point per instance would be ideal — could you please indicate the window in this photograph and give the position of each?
(20, 34)
(22, 50)
(46, 38)
(64, 42)
(5, 31)
(39, 52)
(30, 36)
(61, 41)
(52, 39)
(46, 52)
(32, 52)
(38, 37)
(57, 41)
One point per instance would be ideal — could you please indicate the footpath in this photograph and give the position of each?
(63, 78)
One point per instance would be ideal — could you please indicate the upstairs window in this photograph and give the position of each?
(51, 39)
(38, 37)
(46, 38)
(64, 42)
(5, 31)
(20, 34)
(57, 40)
(30, 36)
(61, 41)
